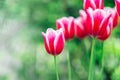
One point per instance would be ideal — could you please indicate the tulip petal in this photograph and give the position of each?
(115, 15)
(51, 34)
(117, 2)
(59, 24)
(79, 28)
(107, 31)
(98, 17)
(104, 24)
(106, 34)
(89, 21)
(71, 27)
(99, 4)
(83, 15)
(89, 4)
(115, 18)
(46, 43)
(59, 42)
(68, 26)
(63, 23)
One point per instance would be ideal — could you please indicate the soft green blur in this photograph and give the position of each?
(22, 53)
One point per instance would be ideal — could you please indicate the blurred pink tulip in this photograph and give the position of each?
(94, 4)
(80, 28)
(98, 23)
(54, 41)
(115, 15)
(117, 2)
(68, 26)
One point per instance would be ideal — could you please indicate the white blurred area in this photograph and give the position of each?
(14, 42)
(17, 48)
(9, 46)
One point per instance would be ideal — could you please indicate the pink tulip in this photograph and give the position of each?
(117, 2)
(98, 23)
(68, 26)
(54, 41)
(94, 4)
(80, 28)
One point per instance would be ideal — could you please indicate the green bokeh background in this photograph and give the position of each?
(22, 53)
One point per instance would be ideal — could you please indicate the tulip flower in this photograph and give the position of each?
(115, 15)
(54, 44)
(98, 23)
(54, 41)
(68, 26)
(117, 2)
(94, 4)
(80, 28)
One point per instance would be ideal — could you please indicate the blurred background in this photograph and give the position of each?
(22, 53)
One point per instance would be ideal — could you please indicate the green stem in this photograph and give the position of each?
(56, 69)
(90, 75)
(102, 64)
(69, 67)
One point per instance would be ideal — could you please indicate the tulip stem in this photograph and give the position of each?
(91, 65)
(69, 67)
(56, 69)
(102, 62)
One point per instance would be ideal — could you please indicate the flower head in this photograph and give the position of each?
(68, 26)
(98, 23)
(54, 41)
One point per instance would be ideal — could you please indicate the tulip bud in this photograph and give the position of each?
(54, 41)
(68, 26)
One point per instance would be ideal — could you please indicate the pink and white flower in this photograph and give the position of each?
(98, 23)
(54, 41)
(68, 26)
